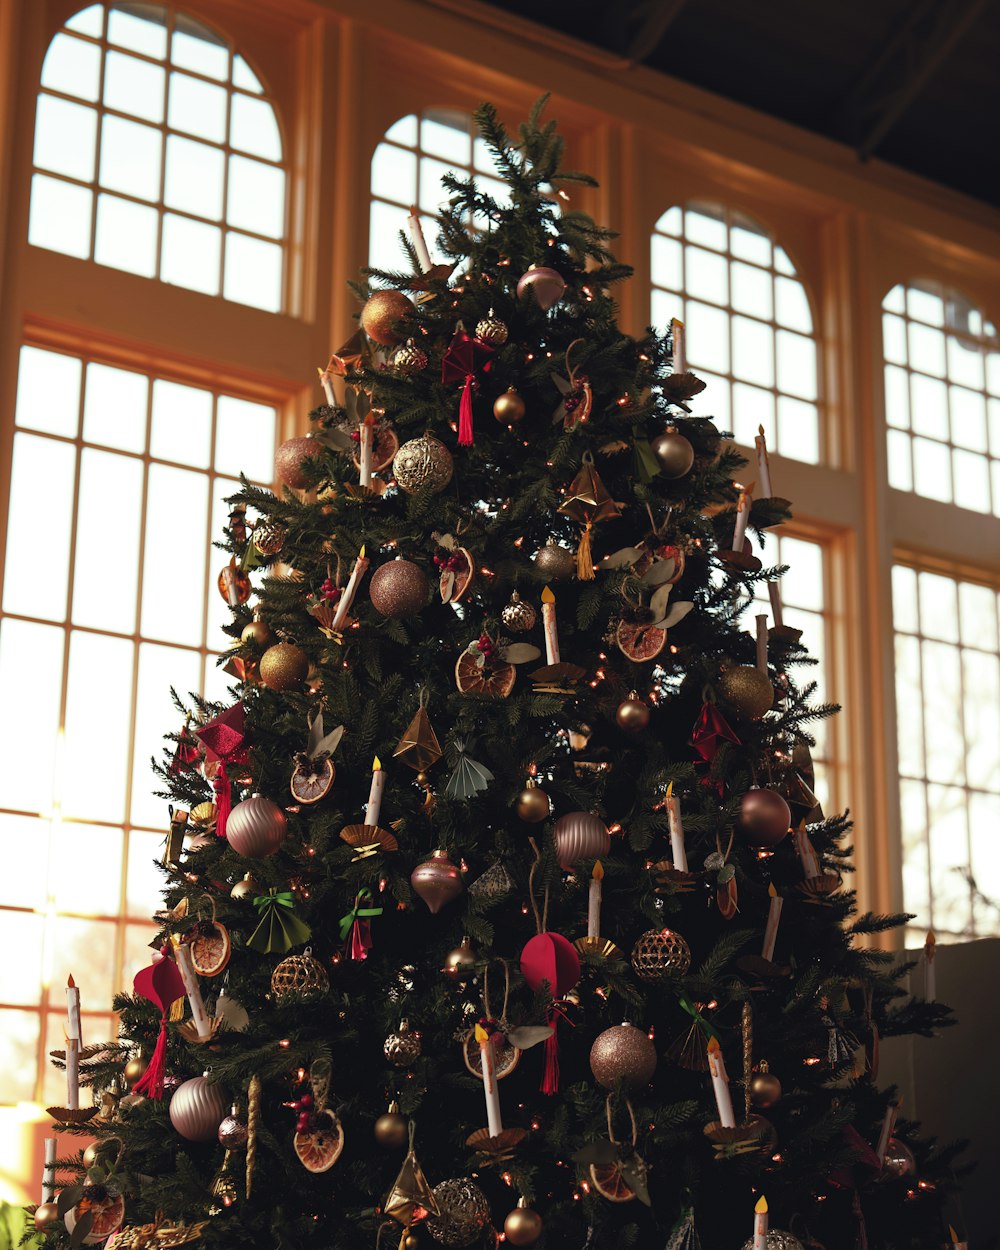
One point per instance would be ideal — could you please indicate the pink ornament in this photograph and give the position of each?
(197, 1109)
(545, 284)
(549, 957)
(437, 880)
(256, 827)
(580, 835)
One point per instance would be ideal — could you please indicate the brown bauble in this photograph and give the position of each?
(532, 804)
(508, 408)
(623, 1053)
(523, 1226)
(633, 714)
(398, 589)
(556, 562)
(135, 1069)
(284, 667)
(46, 1217)
(747, 689)
(674, 454)
(391, 1129)
(765, 1089)
(381, 312)
(764, 818)
(437, 880)
(258, 632)
(291, 457)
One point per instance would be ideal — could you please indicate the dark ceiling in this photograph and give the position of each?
(912, 82)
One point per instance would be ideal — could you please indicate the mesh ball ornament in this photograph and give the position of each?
(465, 1213)
(299, 978)
(659, 955)
(423, 464)
(777, 1240)
(623, 1053)
(256, 827)
(197, 1109)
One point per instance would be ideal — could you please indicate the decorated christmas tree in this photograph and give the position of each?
(498, 899)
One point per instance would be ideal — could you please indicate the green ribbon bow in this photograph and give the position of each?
(279, 929)
(708, 1029)
(358, 912)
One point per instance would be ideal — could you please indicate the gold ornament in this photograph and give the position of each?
(299, 978)
(410, 1197)
(409, 360)
(284, 667)
(410, 1241)
(673, 453)
(269, 537)
(403, 1047)
(258, 631)
(381, 312)
(46, 1217)
(659, 955)
(423, 463)
(291, 457)
(492, 330)
(246, 888)
(533, 803)
(588, 502)
(134, 1069)
(623, 1053)
(390, 1129)
(509, 408)
(518, 616)
(523, 1226)
(419, 746)
(464, 1212)
(460, 963)
(633, 714)
(765, 1088)
(555, 561)
(747, 689)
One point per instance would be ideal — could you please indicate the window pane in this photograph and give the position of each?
(965, 363)
(900, 468)
(707, 226)
(130, 158)
(706, 275)
(894, 339)
(926, 349)
(752, 291)
(931, 470)
(60, 216)
(978, 605)
(904, 599)
(243, 76)
(897, 397)
(448, 137)
(114, 410)
(708, 336)
(142, 34)
(803, 583)
(194, 179)
(199, 50)
(385, 223)
(37, 569)
(65, 138)
(84, 949)
(20, 976)
(182, 424)
(72, 67)
(133, 86)
(27, 741)
(24, 848)
(748, 241)
(256, 199)
(981, 684)
(253, 272)
(938, 607)
(432, 194)
(796, 364)
(197, 107)
(165, 614)
(19, 1031)
(798, 429)
(394, 174)
(666, 263)
(110, 504)
(41, 375)
(909, 707)
(160, 668)
(89, 21)
(672, 221)
(930, 406)
(86, 869)
(752, 408)
(971, 476)
(792, 305)
(144, 882)
(244, 439)
(99, 696)
(253, 127)
(126, 236)
(968, 419)
(190, 254)
(753, 353)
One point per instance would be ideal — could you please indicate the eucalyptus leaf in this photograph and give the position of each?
(82, 1229)
(676, 614)
(624, 558)
(634, 1173)
(658, 603)
(520, 653)
(561, 384)
(659, 571)
(601, 1151)
(527, 1035)
(68, 1198)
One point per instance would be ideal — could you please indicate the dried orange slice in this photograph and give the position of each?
(505, 1057)
(607, 1179)
(640, 643)
(383, 450)
(455, 582)
(108, 1213)
(669, 552)
(474, 676)
(313, 781)
(210, 948)
(320, 1147)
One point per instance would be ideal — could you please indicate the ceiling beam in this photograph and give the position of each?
(922, 43)
(660, 16)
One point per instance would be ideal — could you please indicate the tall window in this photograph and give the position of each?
(157, 151)
(749, 325)
(109, 599)
(948, 710)
(942, 396)
(407, 169)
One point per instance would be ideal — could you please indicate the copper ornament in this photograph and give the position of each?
(256, 827)
(437, 881)
(623, 1053)
(580, 835)
(289, 463)
(764, 818)
(382, 310)
(399, 588)
(284, 666)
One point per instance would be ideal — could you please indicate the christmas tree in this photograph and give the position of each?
(498, 900)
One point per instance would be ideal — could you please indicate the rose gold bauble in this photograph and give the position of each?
(460, 962)
(747, 689)
(899, 1160)
(246, 888)
(674, 454)
(398, 589)
(532, 804)
(256, 827)
(46, 1216)
(134, 1069)
(509, 407)
(623, 1053)
(284, 667)
(197, 1109)
(556, 562)
(233, 1132)
(764, 818)
(291, 458)
(545, 284)
(580, 835)
(381, 312)
(437, 880)
(523, 1226)
(633, 714)
(391, 1129)
(423, 463)
(765, 1089)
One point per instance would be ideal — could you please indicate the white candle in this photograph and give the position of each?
(760, 1224)
(367, 436)
(774, 594)
(677, 334)
(549, 625)
(350, 590)
(326, 381)
(49, 1171)
(677, 848)
(806, 853)
(888, 1124)
(762, 643)
(742, 516)
(720, 1084)
(930, 971)
(763, 464)
(417, 238)
(193, 991)
(773, 918)
(74, 1038)
(375, 793)
(490, 1091)
(594, 901)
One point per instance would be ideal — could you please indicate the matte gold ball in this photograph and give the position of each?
(246, 888)
(764, 818)
(391, 1131)
(509, 408)
(398, 589)
(289, 462)
(673, 453)
(284, 667)
(633, 714)
(46, 1216)
(533, 804)
(460, 963)
(523, 1226)
(259, 633)
(135, 1069)
(623, 1053)
(747, 689)
(765, 1089)
(410, 1242)
(556, 562)
(380, 314)
(90, 1154)
(423, 464)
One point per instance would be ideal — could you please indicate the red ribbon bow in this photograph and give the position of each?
(465, 356)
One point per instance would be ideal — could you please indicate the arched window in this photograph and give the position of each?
(942, 396)
(407, 169)
(749, 325)
(157, 151)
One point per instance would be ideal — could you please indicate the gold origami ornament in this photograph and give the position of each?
(411, 1198)
(347, 359)
(588, 502)
(419, 746)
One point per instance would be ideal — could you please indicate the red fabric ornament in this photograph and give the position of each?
(161, 983)
(465, 356)
(711, 729)
(225, 740)
(550, 959)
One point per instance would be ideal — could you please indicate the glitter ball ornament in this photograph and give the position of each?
(299, 979)
(256, 827)
(423, 463)
(673, 453)
(409, 360)
(545, 284)
(381, 312)
(659, 955)
(765, 1088)
(556, 562)
(623, 1053)
(777, 1240)
(403, 1047)
(764, 818)
(233, 1132)
(632, 714)
(464, 1213)
(518, 616)
(284, 667)
(391, 1131)
(289, 463)
(899, 1160)
(492, 330)
(197, 1109)
(437, 880)
(523, 1226)
(509, 408)
(580, 835)
(269, 537)
(747, 689)
(398, 589)
(533, 803)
